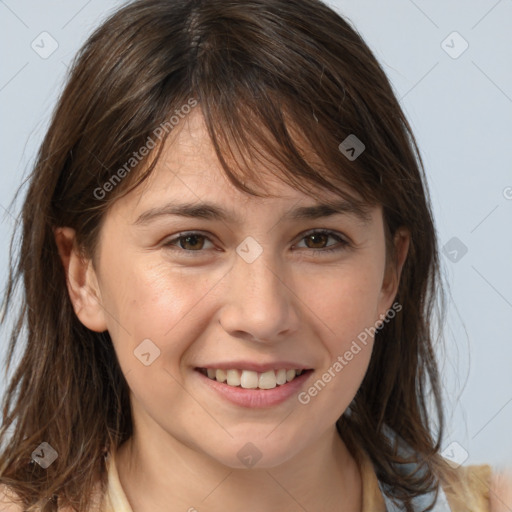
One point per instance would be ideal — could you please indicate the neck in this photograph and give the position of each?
(324, 477)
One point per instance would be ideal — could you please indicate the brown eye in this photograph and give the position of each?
(318, 240)
(191, 242)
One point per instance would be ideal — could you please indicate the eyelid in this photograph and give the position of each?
(172, 242)
(343, 241)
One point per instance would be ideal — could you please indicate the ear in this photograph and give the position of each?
(81, 281)
(393, 271)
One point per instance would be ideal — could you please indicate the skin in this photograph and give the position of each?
(291, 303)
(500, 495)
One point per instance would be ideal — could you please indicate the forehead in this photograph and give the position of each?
(189, 165)
(188, 181)
(189, 158)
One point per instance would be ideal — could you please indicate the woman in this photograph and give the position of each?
(230, 268)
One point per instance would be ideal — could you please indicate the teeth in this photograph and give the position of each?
(220, 375)
(233, 378)
(248, 379)
(268, 380)
(281, 377)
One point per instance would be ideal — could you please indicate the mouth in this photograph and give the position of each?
(248, 379)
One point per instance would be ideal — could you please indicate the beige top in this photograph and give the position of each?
(478, 478)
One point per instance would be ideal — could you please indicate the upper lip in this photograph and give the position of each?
(256, 367)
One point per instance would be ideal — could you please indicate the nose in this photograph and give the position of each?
(261, 304)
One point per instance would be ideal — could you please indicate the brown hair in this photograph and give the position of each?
(261, 71)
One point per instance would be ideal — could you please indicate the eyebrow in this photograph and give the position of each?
(211, 211)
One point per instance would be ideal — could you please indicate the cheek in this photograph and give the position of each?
(347, 304)
(160, 311)
(159, 303)
(346, 300)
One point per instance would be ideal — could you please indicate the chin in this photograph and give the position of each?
(245, 454)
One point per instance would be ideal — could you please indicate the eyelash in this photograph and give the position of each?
(342, 243)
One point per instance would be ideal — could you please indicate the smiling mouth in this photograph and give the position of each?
(248, 379)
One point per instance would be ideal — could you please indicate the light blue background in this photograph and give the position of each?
(461, 112)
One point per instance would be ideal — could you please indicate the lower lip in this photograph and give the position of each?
(257, 398)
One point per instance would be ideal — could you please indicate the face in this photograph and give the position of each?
(256, 291)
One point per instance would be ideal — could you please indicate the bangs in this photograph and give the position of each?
(271, 98)
(267, 103)
(265, 135)
(273, 133)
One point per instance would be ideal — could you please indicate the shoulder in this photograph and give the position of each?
(7, 500)
(481, 487)
(500, 492)
(469, 487)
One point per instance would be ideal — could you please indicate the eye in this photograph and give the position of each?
(319, 238)
(194, 242)
(190, 242)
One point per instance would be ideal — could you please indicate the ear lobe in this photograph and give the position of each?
(402, 241)
(394, 268)
(81, 279)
